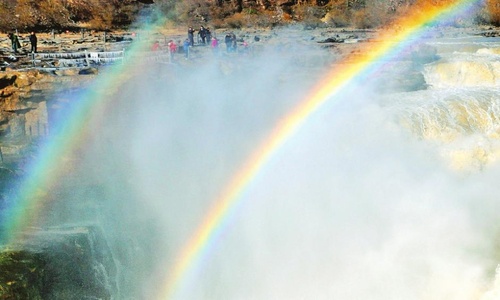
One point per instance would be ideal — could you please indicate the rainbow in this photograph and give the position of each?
(406, 31)
(23, 206)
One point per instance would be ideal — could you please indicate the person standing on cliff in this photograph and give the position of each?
(202, 34)
(172, 47)
(33, 42)
(191, 36)
(228, 42)
(14, 41)
(185, 48)
(234, 42)
(215, 46)
(208, 35)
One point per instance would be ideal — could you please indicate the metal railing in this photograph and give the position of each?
(90, 58)
(78, 59)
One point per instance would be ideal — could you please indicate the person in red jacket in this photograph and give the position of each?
(172, 47)
(156, 46)
(215, 45)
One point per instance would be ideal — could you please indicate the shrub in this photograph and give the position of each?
(105, 14)
(8, 20)
(493, 8)
(219, 13)
(336, 17)
(364, 19)
(192, 11)
(310, 16)
(235, 21)
(27, 14)
(262, 19)
(52, 14)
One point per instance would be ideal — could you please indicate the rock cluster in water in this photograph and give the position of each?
(58, 263)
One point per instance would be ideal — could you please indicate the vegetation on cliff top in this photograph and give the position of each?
(26, 15)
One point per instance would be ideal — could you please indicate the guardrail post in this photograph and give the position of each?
(87, 58)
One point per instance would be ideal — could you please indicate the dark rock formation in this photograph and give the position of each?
(491, 33)
(59, 263)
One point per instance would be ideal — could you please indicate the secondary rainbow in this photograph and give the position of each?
(406, 31)
(24, 205)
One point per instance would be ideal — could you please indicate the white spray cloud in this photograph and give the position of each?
(352, 207)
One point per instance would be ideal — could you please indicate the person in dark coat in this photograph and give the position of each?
(208, 35)
(234, 42)
(33, 42)
(191, 36)
(228, 42)
(14, 41)
(203, 34)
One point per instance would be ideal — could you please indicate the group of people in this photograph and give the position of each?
(204, 35)
(204, 38)
(14, 39)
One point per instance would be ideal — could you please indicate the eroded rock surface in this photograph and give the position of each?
(58, 263)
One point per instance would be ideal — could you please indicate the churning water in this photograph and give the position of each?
(379, 195)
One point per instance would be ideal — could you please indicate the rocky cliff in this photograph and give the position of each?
(26, 99)
(72, 262)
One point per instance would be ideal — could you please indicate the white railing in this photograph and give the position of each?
(79, 59)
(88, 58)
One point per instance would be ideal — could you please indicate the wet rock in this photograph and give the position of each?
(7, 80)
(23, 80)
(58, 263)
(424, 54)
(88, 71)
(16, 127)
(336, 39)
(491, 33)
(21, 275)
(399, 76)
(24, 98)
(66, 72)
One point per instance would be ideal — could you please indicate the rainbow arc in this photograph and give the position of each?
(49, 167)
(405, 32)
